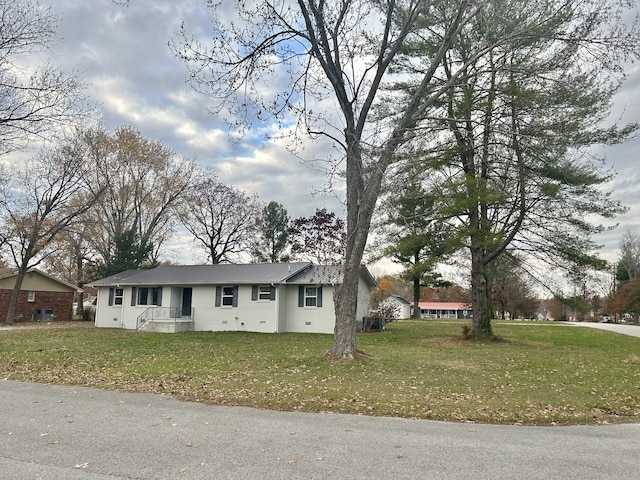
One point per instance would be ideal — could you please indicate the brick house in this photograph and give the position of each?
(42, 297)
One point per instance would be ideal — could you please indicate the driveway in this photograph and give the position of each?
(69, 433)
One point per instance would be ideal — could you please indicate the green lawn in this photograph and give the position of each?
(537, 373)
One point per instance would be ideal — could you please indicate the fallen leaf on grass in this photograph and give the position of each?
(81, 465)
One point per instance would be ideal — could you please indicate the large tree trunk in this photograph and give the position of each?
(345, 297)
(11, 312)
(480, 295)
(79, 281)
(416, 298)
(360, 205)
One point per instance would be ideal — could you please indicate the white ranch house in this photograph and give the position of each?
(261, 297)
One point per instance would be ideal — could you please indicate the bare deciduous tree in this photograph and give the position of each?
(39, 100)
(142, 181)
(40, 202)
(220, 217)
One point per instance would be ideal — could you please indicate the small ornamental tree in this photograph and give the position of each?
(626, 299)
(320, 238)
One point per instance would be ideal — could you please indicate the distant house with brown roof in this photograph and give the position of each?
(41, 298)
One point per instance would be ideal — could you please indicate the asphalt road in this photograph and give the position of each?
(633, 330)
(68, 433)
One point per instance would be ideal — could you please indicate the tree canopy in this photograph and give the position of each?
(319, 238)
(221, 218)
(38, 102)
(272, 234)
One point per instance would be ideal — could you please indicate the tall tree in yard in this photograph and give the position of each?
(272, 234)
(40, 202)
(333, 58)
(512, 151)
(142, 179)
(416, 237)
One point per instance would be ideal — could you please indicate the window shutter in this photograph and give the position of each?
(319, 302)
(273, 293)
(301, 296)
(254, 292)
(159, 296)
(134, 294)
(235, 296)
(112, 292)
(218, 295)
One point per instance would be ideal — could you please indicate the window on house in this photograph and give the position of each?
(227, 296)
(115, 296)
(309, 296)
(150, 296)
(263, 292)
(31, 296)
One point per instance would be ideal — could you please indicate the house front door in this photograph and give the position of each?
(186, 302)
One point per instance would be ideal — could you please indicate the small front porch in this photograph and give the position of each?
(165, 320)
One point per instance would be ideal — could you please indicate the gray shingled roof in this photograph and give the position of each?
(328, 275)
(319, 275)
(252, 273)
(299, 273)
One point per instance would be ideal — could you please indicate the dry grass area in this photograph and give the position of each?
(536, 374)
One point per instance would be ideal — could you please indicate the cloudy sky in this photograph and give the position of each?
(122, 53)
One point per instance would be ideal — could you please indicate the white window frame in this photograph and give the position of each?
(226, 297)
(264, 293)
(118, 296)
(31, 296)
(310, 299)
